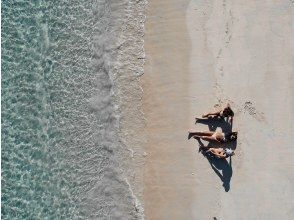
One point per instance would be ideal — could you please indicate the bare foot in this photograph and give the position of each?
(190, 135)
(196, 137)
(197, 119)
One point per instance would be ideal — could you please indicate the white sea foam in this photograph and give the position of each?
(71, 100)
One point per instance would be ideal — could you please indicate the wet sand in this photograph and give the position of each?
(170, 161)
(205, 53)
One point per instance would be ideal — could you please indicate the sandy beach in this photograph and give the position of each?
(98, 97)
(199, 56)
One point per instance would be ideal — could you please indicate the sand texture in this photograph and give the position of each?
(199, 56)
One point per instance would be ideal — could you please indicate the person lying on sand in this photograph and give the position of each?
(227, 112)
(220, 152)
(214, 136)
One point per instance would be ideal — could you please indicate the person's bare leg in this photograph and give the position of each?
(203, 133)
(199, 133)
(203, 137)
(211, 114)
(208, 138)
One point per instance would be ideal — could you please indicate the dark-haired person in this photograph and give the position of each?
(226, 112)
(214, 136)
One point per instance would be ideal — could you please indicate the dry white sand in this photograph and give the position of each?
(203, 53)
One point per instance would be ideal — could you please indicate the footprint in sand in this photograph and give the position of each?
(259, 116)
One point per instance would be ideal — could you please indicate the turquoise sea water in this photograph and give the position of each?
(58, 122)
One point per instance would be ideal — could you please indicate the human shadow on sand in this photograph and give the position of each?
(214, 123)
(221, 167)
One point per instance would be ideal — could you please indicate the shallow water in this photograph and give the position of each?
(61, 158)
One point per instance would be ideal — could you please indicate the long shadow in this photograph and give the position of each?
(213, 123)
(221, 167)
(226, 170)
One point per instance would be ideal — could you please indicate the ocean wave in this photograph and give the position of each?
(68, 69)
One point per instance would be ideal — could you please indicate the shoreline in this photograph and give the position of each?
(128, 93)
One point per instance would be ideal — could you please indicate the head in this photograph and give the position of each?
(228, 111)
(229, 152)
(233, 136)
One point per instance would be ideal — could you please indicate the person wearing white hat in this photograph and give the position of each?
(220, 152)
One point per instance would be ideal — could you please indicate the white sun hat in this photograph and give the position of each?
(229, 152)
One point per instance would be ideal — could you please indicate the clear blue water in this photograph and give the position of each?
(58, 122)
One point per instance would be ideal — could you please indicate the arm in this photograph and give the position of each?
(231, 120)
